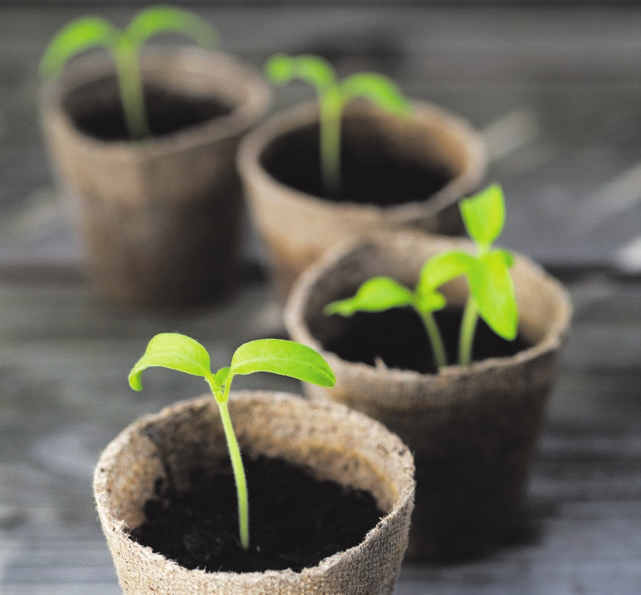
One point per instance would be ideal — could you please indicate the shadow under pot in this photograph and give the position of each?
(395, 172)
(162, 462)
(473, 430)
(160, 219)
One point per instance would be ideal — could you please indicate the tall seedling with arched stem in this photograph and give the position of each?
(287, 358)
(90, 32)
(332, 96)
(491, 290)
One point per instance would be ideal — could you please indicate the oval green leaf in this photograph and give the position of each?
(493, 292)
(173, 351)
(444, 267)
(76, 37)
(484, 215)
(279, 68)
(374, 295)
(286, 358)
(316, 71)
(378, 89)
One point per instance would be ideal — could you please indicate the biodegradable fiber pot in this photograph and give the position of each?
(160, 219)
(396, 172)
(335, 442)
(473, 430)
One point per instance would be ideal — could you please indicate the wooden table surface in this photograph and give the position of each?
(557, 95)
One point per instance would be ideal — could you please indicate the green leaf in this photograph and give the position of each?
(492, 289)
(316, 71)
(374, 295)
(221, 376)
(173, 351)
(279, 68)
(444, 267)
(286, 358)
(484, 215)
(378, 89)
(165, 19)
(79, 35)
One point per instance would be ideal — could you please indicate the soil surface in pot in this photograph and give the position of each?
(167, 112)
(295, 520)
(397, 337)
(372, 170)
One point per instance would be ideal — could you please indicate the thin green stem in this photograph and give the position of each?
(468, 328)
(236, 464)
(438, 349)
(131, 89)
(330, 140)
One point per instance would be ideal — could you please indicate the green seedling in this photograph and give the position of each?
(332, 96)
(124, 45)
(491, 290)
(286, 358)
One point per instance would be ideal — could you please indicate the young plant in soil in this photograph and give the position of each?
(332, 97)
(491, 290)
(124, 46)
(278, 356)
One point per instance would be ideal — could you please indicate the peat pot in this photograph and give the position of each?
(473, 430)
(330, 440)
(160, 219)
(396, 172)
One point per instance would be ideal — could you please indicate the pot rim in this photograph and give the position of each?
(304, 114)
(92, 67)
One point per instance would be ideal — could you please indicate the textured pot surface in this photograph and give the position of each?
(335, 442)
(152, 214)
(297, 227)
(473, 430)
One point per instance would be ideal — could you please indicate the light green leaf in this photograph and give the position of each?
(506, 255)
(221, 376)
(378, 89)
(79, 35)
(174, 351)
(374, 295)
(484, 215)
(165, 19)
(444, 267)
(492, 289)
(316, 71)
(286, 358)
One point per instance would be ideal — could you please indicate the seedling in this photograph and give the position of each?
(491, 290)
(124, 45)
(332, 96)
(287, 358)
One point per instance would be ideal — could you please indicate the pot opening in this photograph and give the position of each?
(96, 110)
(379, 165)
(397, 339)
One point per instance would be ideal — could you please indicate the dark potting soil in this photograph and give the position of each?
(167, 113)
(295, 520)
(398, 338)
(372, 171)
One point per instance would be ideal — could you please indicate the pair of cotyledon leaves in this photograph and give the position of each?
(277, 356)
(89, 32)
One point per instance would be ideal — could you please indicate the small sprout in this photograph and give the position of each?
(332, 98)
(491, 290)
(90, 32)
(286, 358)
